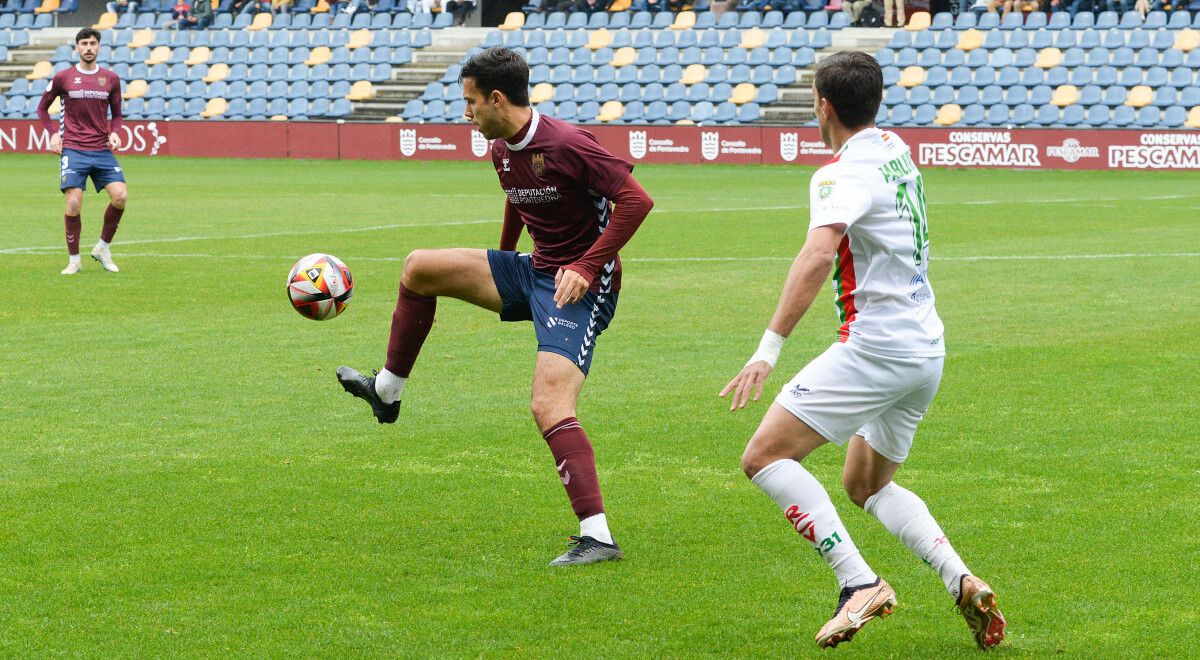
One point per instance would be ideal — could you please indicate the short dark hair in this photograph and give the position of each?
(499, 69)
(853, 84)
(85, 33)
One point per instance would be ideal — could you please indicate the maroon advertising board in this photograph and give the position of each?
(932, 147)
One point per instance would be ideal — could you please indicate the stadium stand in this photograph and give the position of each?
(1102, 70)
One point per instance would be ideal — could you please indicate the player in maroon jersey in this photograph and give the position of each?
(86, 140)
(562, 186)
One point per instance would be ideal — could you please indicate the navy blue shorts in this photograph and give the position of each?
(528, 295)
(75, 167)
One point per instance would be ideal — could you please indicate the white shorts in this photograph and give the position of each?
(846, 391)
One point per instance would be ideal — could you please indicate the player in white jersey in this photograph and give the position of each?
(871, 388)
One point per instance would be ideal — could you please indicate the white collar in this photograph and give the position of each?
(533, 126)
(87, 73)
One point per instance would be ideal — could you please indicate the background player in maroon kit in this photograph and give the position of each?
(562, 186)
(86, 140)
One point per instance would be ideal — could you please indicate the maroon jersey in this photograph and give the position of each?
(560, 182)
(87, 98)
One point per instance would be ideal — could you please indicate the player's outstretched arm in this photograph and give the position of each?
(809, 270)
(631, 206)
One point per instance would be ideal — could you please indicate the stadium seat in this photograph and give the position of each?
(1187, 40)
(912, 76)
(42, 69)
(513, 21)
(47, 7)
(215, 108)
(261, 21)
(1065, 95)
(361, 91)
(918, 21)
(135, 89)
(1139, 96)
(743, 93)
(1048, 58)
(948, 115)
(598, 39)
(107, 20)
(611, 111)
(693, 74)
(970, 40)
(752, 38)
(1193, 118)
(684, 20)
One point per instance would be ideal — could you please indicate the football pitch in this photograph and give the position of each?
(181, 474)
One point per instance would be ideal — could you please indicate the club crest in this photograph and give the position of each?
(538, 163)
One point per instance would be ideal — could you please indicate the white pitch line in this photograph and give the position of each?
(999, 257)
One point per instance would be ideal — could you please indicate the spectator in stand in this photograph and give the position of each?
(718, 7)
(179, 12)
(590, 7)
(853, 9)
(199, 18)
(421, 6)
(280, 6)
(460, 10)
(898, 6)
(118, 6)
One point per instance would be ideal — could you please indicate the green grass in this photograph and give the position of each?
(181, 474)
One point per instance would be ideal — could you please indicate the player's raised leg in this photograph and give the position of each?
(772, 461)
(117, 195)
(460, 273)
(867, 477)
(73, 198)
(557, 381)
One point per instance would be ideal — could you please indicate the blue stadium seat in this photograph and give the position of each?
(988, 22)
(1017, 39)
(1097, 115)
(1011, 21)
(1114, 96)
(1178, 20)
(900, 115)
(1035, 20)
(1007, 76)
(1107, 19)
(1022, 115)
(973, 114)
(1165, 97)
(1174, 117)
(1016, 95)
(339, 108)
(991, 95)
(1148, 117)
(749, 113)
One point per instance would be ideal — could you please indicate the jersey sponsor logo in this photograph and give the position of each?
(637, 144)
(408, 141)
(710, 145)
(479, 144)
(1071, 151)
(789, 146)
(538, 163)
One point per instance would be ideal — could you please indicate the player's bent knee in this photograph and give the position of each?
(859, 490)
(753, 461)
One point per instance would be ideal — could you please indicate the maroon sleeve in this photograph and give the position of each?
(114, 104)
(632, 205)
(590, 164)
(511, 232)
(53, 91)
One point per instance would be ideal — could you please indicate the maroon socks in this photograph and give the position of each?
(73, 225)
(410, 326)
(576, 463)
(112, 218)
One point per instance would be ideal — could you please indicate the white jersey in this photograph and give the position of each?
(881, 275)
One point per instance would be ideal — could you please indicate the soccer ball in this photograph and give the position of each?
(320, 286)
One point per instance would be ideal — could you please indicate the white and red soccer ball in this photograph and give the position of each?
(320, 286)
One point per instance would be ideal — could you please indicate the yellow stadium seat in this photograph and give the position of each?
(279, 118)
(970, 40)
(215, 108)
(1139, 96)
(217, 73)
(515, 20)
(159, 55)
(694, 73)
(918, 21)
(753, 38)
(543, 91)
(141, 39)
(198, 55)
(1187, 40)
(107, 20)
(48, 6)
(394, 119)
(743, 93)
(361, 91)
(620, 5)
(1193, 120)
(1065, 95)
(135, 89)
(599, 39)
(1048, 58)
(359, 39)
(319, 55)
(611, 111)
(55, 107)
(43, 69)
(624, 56)
(684, 20)
(912, 76)
(322, 7)
(262, 21)
(948, 115)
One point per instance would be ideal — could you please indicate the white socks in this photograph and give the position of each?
(907, 518)
(102, 244)
(596, 527)
(389, 386)
(808, 508)
(73, 259)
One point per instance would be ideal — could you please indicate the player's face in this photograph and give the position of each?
(821, 121)
(481, 110)
(87, 49)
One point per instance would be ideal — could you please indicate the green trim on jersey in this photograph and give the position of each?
(910, 206)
